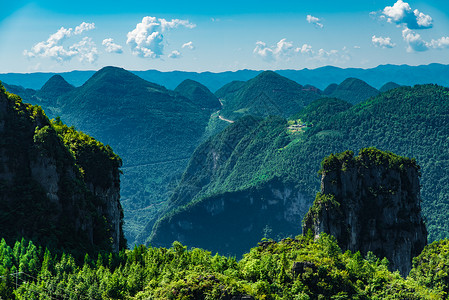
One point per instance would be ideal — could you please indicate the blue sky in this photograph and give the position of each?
(56, 36)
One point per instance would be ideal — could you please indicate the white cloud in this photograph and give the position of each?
(305, 49)
(441, 43)
(382, 42)
(402, 13)
(414, 41)
(175, 54)
(53, 48)
(315, 21)
(84, 27)
(146, 40)
(188, 45)
(86, 50)
(283, 49)
(112, 47)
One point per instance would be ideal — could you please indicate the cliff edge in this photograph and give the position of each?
(58, 186)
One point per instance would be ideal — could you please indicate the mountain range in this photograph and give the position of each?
(156, 130)
(319, 77)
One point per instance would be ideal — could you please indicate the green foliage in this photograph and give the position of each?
(367, 157)
(431, 267)
(298, 268)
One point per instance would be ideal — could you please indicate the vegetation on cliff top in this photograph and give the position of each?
(367, 157)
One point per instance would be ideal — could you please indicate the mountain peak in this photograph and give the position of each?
(388, 86)
(354, 90)
(56, 86)
(198, 94)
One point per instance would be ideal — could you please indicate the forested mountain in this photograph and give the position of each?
(277, 162)
(55, 87)
(153, 129)
(352, 90)
(58, 187)
(388, 86)
(266, 94)
(198, 93)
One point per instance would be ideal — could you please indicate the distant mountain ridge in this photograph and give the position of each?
(319, 77)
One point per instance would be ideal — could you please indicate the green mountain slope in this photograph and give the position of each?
(266, 162)
(55, 87)
(153, 129)
(388, 86)
(266, 94)
(353, 90)
(198, 93)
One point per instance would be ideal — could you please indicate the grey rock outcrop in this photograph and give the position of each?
(371, 202)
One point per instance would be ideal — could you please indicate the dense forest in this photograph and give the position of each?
(299, 268)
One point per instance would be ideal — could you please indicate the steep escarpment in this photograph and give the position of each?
(58, 187)
(371, 202)
(227, 222)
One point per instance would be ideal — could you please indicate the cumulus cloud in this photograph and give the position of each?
(112, 47)
(402, 13)
(315, 21)
(86, 50)
(53, 48)
(189, 45)
(146, 40)
(414, 41)
(175, 54)
(382, 42)
(305, 49)
(84, 27)
(441, 43)
(283, 49)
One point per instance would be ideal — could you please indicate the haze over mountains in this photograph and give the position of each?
(319, 77)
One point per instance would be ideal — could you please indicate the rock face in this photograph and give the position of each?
(58, 187)
(371, 202)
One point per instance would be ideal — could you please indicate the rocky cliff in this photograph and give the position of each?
(58, 186)
(371, 202)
